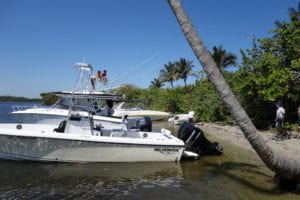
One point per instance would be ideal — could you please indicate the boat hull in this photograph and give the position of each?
(16, 147)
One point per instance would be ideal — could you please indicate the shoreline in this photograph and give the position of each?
(233, 134)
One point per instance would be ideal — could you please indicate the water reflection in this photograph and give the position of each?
(36, 180)
(215, 177)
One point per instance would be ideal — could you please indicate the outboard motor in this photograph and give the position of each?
(196, 141)
(145, 124)
(141, 123)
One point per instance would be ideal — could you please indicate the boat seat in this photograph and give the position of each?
(75, 117)
(61, 127)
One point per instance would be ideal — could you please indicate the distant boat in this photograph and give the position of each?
(122, 109)
(181, 118)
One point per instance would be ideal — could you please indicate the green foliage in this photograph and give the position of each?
(156, 83)
(183, 68)
(168, 74)
(173, 71)
(48, 98)
(223, 58)
(200, 98)
(270, 72)
(132, 93)
(207, 105)
(155, 99)
(175, 101)
(266, 78)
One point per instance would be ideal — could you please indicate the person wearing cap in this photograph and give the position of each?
(191, 116)
(279, 120)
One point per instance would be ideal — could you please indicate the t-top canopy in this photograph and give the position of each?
(84, 66)
(91, 95)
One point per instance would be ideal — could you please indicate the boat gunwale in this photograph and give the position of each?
(107, 139)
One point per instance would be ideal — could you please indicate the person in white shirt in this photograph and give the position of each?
(279, 120)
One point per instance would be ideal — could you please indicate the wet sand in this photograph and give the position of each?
(234, 135)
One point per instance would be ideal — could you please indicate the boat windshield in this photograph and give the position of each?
(78, 104)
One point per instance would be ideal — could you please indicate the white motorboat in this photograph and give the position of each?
(78, 143)
(122, 109)
(79, 139)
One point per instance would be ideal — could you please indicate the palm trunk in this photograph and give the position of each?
(280, 164)
(171, 84)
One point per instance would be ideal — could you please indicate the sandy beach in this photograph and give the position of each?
(234, 135)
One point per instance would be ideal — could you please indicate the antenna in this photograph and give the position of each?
(146, 72)
(134, 68)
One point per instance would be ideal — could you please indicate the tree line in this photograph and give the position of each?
(183, 68)
(269, 72)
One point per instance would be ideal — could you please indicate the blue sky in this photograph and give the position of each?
(41, 40)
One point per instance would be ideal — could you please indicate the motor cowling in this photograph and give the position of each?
(185, 131)
(196, 141)
(145, 124)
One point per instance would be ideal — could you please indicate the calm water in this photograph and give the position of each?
(237, 174)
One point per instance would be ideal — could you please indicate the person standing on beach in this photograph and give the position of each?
(279, 120)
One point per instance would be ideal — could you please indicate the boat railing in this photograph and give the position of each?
(16, 108)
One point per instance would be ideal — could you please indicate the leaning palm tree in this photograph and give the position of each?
(156, 83)
(223, 58)
(184, 68)
(169, 73)
(286, 168)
